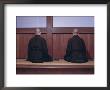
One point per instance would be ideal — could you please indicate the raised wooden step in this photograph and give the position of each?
(54, 67)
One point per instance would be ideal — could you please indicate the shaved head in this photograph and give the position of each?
(38, 32)
(75, 31)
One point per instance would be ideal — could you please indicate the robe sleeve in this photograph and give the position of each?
(83, 45)
(45, 49)
(29, 51)
(68, 49)
(84, 49)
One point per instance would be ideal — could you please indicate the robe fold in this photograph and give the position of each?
(76, 50)
(37, 50)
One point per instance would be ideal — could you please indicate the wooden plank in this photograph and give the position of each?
(49, 34)
(55, 64)
(25, 71)
(29, 30)
(81, 30)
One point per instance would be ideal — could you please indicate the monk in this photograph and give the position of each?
(37, 49)
(76, 49)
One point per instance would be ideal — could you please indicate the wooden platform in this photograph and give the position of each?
(55, 67)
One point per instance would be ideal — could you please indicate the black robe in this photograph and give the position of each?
(76, 50)
(37, 50)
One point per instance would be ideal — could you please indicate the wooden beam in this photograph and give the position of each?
(55, 67)
(81, 30)
(50, 23)
(49, 34)
(22, 63)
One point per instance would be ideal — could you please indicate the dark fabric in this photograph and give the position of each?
(37, 50)
(76, 50)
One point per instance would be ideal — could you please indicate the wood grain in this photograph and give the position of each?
(55, 67)
(55, 64)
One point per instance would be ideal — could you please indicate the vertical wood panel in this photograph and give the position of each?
(56, 45)
(60, 44)
(49, 34)
(17, 46)
(91, 45)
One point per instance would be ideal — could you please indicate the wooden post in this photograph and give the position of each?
(49, 34)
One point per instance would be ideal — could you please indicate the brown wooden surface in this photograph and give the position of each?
(22, 63)
(55, 67)
(50, 71)
(49, 35)
(85, 30)
(29, 30)
(58, 30)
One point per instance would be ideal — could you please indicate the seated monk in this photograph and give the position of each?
(37, 49)
(76, 50)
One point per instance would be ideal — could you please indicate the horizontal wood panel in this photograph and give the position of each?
(61, 63)
(55, 71)
(29, 30)
(57, 30)
(70, 29)
(55, 67)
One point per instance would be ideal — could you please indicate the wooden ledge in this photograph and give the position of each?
(22, 63)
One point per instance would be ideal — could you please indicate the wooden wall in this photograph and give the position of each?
(57, 39)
